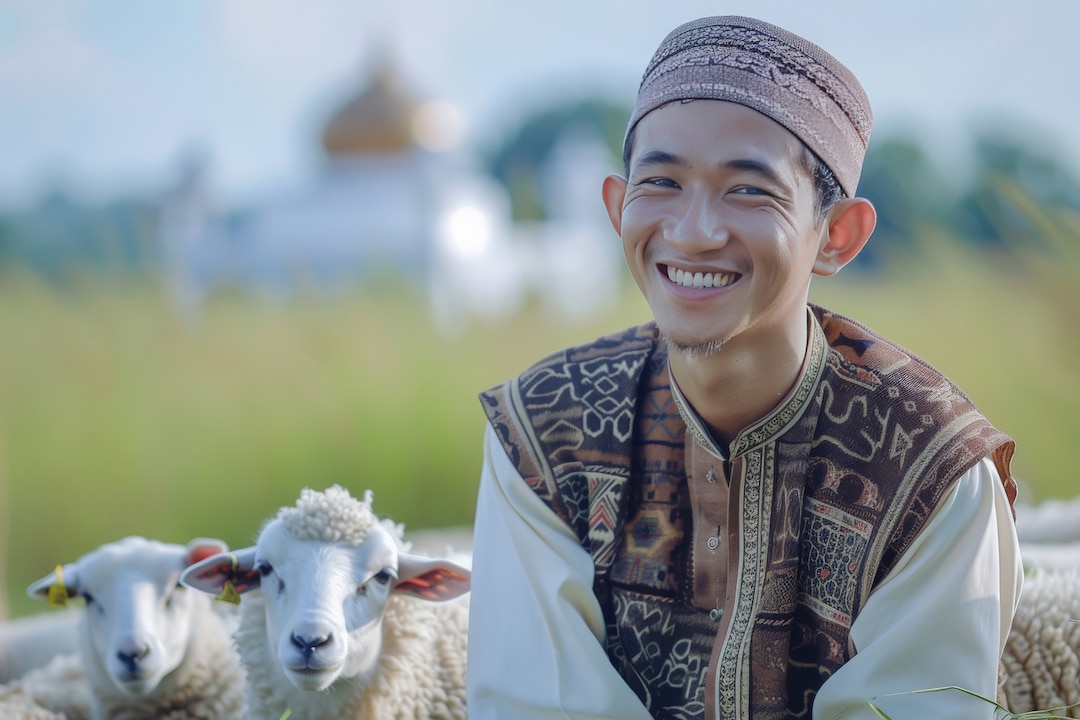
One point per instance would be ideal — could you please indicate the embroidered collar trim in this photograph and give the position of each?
(786, 413)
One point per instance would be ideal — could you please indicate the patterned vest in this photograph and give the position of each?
(823, 497)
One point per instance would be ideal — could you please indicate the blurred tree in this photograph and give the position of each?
(59, 235)
(6, 253)
(907, 191)
(517, 162)
(1015, 181)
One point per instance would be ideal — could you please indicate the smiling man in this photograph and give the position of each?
(751, 507)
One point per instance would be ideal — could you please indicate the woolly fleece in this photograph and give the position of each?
(1042, 654)
(333, 516)
(56, 690)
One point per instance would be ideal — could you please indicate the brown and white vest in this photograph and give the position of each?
(729, 578)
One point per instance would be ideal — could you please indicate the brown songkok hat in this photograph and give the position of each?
(773, 71)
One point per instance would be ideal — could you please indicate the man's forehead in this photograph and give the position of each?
(715, 131)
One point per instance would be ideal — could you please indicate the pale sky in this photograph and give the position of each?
(105, 95)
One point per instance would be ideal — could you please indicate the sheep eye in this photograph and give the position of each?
(382, 577)
(264, 568)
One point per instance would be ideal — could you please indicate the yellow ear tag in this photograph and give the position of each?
(285, 715)
(58, 594)
(228, 594)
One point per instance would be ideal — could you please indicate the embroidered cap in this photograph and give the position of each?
(771, 70)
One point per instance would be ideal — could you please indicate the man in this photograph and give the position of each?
(753, 507)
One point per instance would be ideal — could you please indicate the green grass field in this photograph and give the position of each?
(117, 418)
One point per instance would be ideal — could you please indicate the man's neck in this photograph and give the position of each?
(736, 386)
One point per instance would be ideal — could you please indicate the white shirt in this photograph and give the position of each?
(536, 634)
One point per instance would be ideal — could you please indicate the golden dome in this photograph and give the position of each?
(378, 121)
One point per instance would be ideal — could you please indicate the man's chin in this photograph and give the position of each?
(693, 347)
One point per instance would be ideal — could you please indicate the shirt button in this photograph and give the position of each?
(713, 543)
(715, 614)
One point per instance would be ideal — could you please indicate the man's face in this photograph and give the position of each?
(717, 222)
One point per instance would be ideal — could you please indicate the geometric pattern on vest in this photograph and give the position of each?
(870, 441)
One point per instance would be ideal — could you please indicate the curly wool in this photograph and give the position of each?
(333, 516)
(17, 708)
(56, 690)
(422, 667)
(1042, 653)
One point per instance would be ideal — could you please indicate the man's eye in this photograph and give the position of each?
(749, 190)
(660, 182)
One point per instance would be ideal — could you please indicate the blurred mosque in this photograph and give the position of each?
(399, 198)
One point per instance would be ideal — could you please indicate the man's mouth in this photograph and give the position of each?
(700, 280)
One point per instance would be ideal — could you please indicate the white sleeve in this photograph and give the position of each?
(940, 618)
(536, 630)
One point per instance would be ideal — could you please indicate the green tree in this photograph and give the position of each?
(517, 162)
(1016, 182)
(908, 192)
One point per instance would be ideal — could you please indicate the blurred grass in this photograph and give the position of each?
(117, 418)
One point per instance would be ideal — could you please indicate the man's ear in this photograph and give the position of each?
(614, 194)
(850, 223)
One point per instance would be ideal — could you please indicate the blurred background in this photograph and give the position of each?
(248, 246)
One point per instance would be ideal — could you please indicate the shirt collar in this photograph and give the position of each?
(779, 419)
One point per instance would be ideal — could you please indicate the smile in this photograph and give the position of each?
(700, 280)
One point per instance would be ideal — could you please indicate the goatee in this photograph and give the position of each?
(705, 348)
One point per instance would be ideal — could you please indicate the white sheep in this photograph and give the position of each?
(32, 641)
(1049, 534)
(343, 625)
(1053, 521)
(1058, 557)
(19, 708)
(58, 689)
(1042, 653)
(148, 646)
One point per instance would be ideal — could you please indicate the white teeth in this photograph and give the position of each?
(700, 280)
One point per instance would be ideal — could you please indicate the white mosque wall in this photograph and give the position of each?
(433, 220)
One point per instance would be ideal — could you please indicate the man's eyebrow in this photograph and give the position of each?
(658, 157)
(755, 166)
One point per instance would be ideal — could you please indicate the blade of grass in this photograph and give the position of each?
(1005, 713)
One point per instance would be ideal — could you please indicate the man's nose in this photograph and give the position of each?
(700, 224)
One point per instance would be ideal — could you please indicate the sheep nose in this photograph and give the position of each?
(132, 657)
(308, 644)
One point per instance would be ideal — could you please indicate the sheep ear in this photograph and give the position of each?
(211, 575)
(56, 587)
(431, 579)
(201, 548)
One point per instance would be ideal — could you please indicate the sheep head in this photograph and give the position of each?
(327, 569)
(138, 619)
